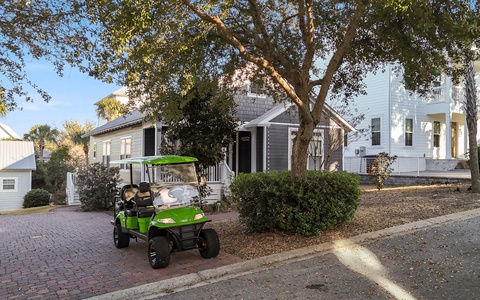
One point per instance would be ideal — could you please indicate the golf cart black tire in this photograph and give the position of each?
(121, 240)
(209, 244)
(158, 246)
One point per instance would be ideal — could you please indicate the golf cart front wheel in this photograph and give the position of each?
(121, 240)
(158, 252)
(208, 243)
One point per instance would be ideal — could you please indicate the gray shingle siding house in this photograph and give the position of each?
(263, 140)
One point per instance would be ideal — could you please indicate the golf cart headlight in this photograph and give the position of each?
(199, 216)
(166, 221)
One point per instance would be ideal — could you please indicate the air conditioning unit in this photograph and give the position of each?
(363, 151)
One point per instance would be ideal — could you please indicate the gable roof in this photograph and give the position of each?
(17, 155)
(6, 132)
(132, 118)
(279, 109)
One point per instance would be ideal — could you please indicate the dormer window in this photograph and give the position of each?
(256, 89)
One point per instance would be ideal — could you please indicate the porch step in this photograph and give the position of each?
(216, 194)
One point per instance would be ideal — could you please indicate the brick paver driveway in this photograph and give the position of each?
(67, 254)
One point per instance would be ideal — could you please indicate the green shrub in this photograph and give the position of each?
(59, 197)
(315, 202)
(36, 197)
(97, 186)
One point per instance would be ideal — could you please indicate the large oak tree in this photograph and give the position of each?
(166, 46)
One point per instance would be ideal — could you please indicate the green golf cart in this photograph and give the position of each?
(164, 211)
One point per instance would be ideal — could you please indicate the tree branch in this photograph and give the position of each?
(232, 40)
(337, 58)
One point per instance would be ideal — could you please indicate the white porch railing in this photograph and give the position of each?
(72, 193)
(220, 173)
(361, 165)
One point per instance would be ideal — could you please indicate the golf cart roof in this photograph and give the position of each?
(156, 160)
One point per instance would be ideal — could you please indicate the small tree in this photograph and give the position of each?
(110, 108)
(41, 135)
(51, 175)
(381, 169)
(203, 124)
(97, 186)
(74, 131)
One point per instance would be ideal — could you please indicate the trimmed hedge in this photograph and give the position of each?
(36, 197)
(317, 201)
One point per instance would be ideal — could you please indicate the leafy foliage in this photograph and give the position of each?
(57, 31)
(314, 202)
(74, 131)
(51, 175)
(110, 109)
(41, 135)
(381, 169)
(164, 48)
(36, 197)
(97, 186)
(203, 124)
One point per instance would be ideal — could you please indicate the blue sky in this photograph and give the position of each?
(73, 98)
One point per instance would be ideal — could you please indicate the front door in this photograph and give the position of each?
(244, 152)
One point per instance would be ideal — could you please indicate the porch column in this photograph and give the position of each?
(253, 150)
(237, 139)
(448, 136)
(265, 156)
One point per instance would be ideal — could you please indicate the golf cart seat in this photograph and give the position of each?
(129, 191)
(144, 201)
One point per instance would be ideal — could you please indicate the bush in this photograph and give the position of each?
(381, 169)
(97, 186)
(36, 197)
(59, 197)
(315, 202)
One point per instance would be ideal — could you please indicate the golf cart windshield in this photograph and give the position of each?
(177, 173)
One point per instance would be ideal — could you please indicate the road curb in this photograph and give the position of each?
(176, 284)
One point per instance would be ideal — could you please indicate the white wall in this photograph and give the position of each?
(374, 105)
(13, 200)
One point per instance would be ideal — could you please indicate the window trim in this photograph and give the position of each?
(94, 150)
(437, 134)
(320, 137)
(124, 146)
(105, 155)
(379, 131)
(15, 187)
(253, 94)
(409, 132)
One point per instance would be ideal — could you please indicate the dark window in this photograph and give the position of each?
(408, 132)
(436, 134)
(376, 136)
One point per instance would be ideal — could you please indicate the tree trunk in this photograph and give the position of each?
(471, 112)
(300, 148)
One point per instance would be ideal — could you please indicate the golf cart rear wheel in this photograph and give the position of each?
(158, 252)
(121, 240)
(208, 243)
